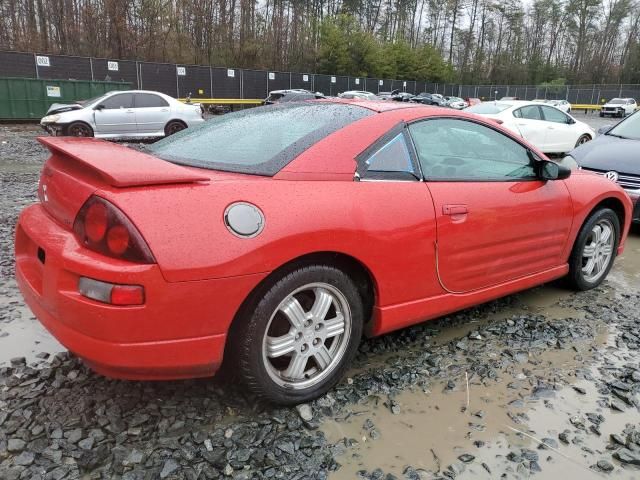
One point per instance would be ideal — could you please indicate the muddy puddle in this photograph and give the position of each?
(432, 428)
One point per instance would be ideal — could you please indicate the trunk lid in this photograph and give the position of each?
(80, 166)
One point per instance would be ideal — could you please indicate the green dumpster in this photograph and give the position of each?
(30, 98)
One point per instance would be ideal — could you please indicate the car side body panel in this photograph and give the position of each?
(204, 273)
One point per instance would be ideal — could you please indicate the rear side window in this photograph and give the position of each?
(530, 112)
(260, 140)
(121, 100)
(147, 100)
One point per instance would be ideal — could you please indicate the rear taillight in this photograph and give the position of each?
(102, 227)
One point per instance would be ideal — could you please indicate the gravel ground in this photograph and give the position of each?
(545, 382)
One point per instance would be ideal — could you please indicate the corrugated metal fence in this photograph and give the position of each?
(216, 82)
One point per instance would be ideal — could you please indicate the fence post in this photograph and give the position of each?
(211, 82)
(175, 71)
(91, 65)
(139, 75)
(35, 61)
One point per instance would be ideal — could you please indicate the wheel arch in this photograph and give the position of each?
(354, 268)
(179, 120)
(614, 204)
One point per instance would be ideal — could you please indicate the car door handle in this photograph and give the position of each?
(164, 110)
(551, 128)
(454, 209)
(130, 111)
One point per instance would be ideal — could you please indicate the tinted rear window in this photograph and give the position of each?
(488, 108)
(258, 141)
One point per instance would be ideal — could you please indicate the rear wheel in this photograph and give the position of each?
(300, 337)
(595, 250)
(79, 129)
(583, 139)
(174, 126)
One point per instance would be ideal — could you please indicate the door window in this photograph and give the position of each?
(530, 112)
(122, 100)
(148, 100)
(462, 150)
(554, 115)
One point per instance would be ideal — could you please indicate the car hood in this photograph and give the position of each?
(63, 107)
(607, 152)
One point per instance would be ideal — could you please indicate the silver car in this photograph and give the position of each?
(122, 114)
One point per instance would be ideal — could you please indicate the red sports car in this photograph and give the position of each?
(275, 237)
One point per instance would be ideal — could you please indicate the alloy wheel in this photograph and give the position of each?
(307, 336)
(598, 250)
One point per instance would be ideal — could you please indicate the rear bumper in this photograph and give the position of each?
(180, 331)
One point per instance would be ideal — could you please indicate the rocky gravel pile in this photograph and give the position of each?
(18, 145)
(60, 420)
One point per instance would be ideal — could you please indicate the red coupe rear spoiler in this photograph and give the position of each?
(118, 165)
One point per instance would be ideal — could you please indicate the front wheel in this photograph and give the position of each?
(595, 250)
(79, 129)
(583, 139)
(301, 336)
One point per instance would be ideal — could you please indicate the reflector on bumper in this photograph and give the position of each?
(111, 293)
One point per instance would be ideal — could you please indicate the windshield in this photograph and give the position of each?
(259, 141)
(89, 101)
(488, 108)
(628, 128)
(617, 101)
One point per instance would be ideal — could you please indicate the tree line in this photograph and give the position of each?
(466, 41)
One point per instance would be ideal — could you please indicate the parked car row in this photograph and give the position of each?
(545, 126)
(163, 264)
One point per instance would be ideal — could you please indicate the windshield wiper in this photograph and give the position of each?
(616, 135)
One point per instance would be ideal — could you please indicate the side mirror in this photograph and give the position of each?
(99, 107)
(552, 171)
(570, 121)
(604, 129)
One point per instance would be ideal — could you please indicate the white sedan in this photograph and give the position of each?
(545, 126)
(560, 105)
(122, 114)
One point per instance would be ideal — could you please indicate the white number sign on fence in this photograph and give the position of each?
(113, 66)
(181, 71)
(231, 72)
(272, 76)
(305, 78)
(42, 61)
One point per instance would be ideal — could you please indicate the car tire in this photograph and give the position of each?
(286, 353)
(601, 114)
(583, 139)
(174, 126)
(594, 250)
(79, 129)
